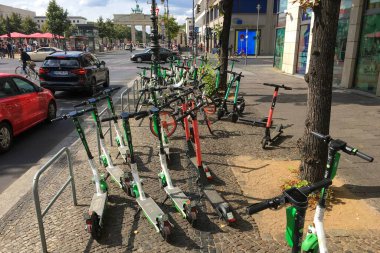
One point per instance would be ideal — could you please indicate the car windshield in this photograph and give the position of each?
(70, 63)
(147, 50)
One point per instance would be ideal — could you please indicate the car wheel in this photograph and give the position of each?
(139, 59)
(6, 137)
(51, 112)
(107, 82)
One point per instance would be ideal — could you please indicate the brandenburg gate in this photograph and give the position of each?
(136, 18)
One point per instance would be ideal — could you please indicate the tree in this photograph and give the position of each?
(101, 28)
(121, 31)
(29, 26)
(56, 19)
(227, 10)
(15, 21)
(3, 26)
(319, 79)
(109, 28)
(171, 26)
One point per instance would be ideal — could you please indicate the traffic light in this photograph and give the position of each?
(198, 8)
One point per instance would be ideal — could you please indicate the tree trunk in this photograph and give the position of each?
(319, 78)
(224, 38)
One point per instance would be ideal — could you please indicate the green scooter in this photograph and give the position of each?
(94, 216)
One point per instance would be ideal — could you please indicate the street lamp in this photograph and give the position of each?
(194, 36)
(258, 7)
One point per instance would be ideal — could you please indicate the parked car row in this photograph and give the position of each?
(146, 55)
(24, 104)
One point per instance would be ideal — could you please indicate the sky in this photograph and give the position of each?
(92, 9)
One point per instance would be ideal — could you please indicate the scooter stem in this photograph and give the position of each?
(137, 180)
(105, 153)
(318, 222)
(96, 177)
(164, 167)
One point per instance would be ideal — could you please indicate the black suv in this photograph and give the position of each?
(72, 70)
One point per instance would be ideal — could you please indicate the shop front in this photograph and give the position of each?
(368, 62)
(280, 33)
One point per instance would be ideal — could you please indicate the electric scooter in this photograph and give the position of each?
(267, 139)
(316, 238)
(95, 214)
(238, 102)
(222, 208)
(297, 197)
(122, 148)
(151, 210)
(182, 203)
(116, 173)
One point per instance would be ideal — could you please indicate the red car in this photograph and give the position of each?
(23, 104)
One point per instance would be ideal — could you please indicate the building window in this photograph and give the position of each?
(341, 40)
(368, 63)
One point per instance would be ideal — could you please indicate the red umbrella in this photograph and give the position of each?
(373, 35)
(51, 36)
(36, 35)
(15, 35)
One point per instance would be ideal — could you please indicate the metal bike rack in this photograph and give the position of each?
(125, 92)
(36, 196)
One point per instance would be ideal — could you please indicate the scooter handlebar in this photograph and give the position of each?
(109, 118)
(282, 199)
(269, 203)
(353, 151)
(73, 114)
(316, 186)
(107, 91)
(146, 68)
(92, 100)
(140, 115)
(278, 86)
(235, 73)
(190, 112)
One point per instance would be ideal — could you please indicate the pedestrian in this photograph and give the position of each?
(179, 48)
(130, 47)
(24, 58)
(9, 50)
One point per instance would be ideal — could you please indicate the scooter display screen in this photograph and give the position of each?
(295, 195)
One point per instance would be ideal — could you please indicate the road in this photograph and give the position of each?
(34, 144)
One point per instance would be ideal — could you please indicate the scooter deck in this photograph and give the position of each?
(178, 197)
(98, 204)
(117, 174)
(123, 152)
(151, 210)
(213, 195)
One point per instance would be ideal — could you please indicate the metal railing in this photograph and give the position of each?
(36, 196)
(135, 92)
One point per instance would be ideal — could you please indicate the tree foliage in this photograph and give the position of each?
(56, 19)
(171, 26)
(29, 26)
(15, 21)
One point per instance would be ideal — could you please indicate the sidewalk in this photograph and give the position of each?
(355, 119)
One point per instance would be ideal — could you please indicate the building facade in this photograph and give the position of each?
(188, 28)
(6, 11)
(357, 51)
(252, 25)
(75, 20)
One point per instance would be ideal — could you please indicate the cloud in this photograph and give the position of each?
(93, 3)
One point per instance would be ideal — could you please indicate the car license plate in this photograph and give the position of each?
(61, 73)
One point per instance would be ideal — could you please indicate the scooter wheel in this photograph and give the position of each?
(241, 108)
(191, 214)
(264, 142)
(220, 113)
(165, 229)
(234, 117)
(93, 226)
